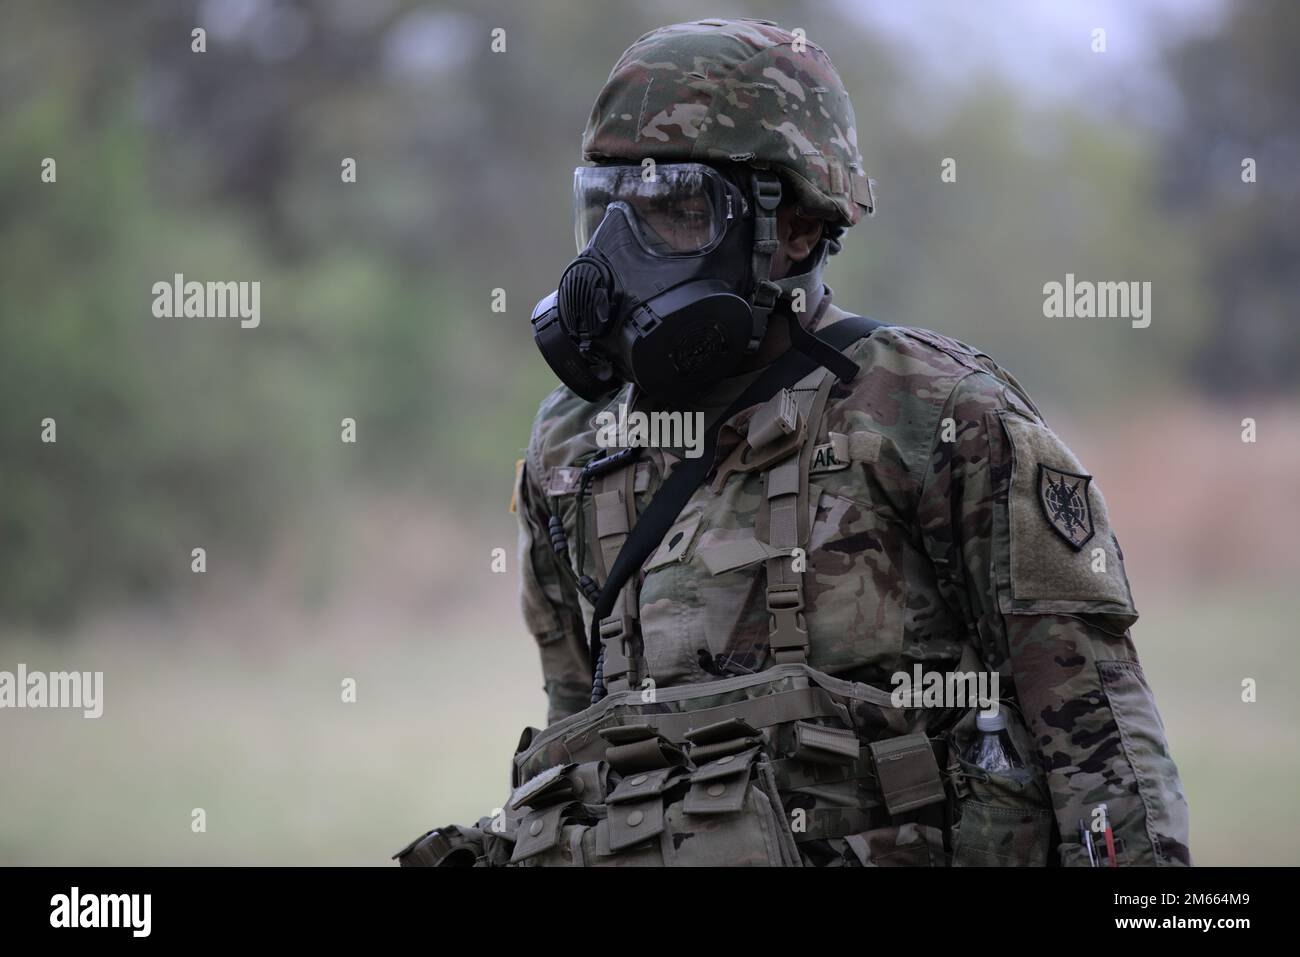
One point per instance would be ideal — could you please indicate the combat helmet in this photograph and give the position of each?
(738, 91)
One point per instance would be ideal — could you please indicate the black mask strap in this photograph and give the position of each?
(819, 350)
(767, 196)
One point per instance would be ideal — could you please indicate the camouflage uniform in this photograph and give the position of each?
(947, 525)
(920, 546)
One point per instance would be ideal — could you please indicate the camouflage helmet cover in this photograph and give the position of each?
(742, 91)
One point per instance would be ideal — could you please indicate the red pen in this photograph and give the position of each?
(1110, 837)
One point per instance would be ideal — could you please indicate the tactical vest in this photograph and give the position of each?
(779, 444)
(780, 764)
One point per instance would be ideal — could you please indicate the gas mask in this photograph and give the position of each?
(671, 286)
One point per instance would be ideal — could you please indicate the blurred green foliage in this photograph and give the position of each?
(1241, 100)
(376, 295)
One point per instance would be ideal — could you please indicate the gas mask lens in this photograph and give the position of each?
(676, 209)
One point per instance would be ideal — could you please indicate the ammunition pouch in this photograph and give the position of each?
(784, 767)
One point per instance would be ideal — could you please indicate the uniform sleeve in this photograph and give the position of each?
(550, 606)
(1021, 535)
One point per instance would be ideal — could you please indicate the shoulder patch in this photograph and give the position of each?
(1064, 497)
(1061, 555)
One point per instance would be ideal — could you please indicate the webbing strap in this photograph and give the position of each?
(678, 488)
(765, 712)
(787, 527)
(824, 351)
(615, 514)
(766, 192)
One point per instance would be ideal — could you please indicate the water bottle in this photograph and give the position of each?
(993, 750)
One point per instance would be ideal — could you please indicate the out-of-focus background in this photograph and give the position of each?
(372, 561)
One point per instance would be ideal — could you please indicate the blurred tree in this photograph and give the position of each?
(1240, 90)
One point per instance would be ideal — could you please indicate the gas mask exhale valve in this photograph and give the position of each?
(662, 291)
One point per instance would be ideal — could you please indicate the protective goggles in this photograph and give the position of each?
(676, 209)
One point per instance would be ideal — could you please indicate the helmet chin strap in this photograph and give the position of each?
(808, 279)
(766, 190)
(802, 337)
(767, 292)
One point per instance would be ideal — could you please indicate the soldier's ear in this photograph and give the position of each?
(798, 234)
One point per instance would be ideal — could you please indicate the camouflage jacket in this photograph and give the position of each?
(958, 521)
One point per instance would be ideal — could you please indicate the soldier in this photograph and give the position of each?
(720, 633)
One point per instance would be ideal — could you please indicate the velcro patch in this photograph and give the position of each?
(863, 194)
(832, 456)
(563, 479)
(844, 449)
(1063, 556)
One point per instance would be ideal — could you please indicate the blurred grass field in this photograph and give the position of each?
(254, 731)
